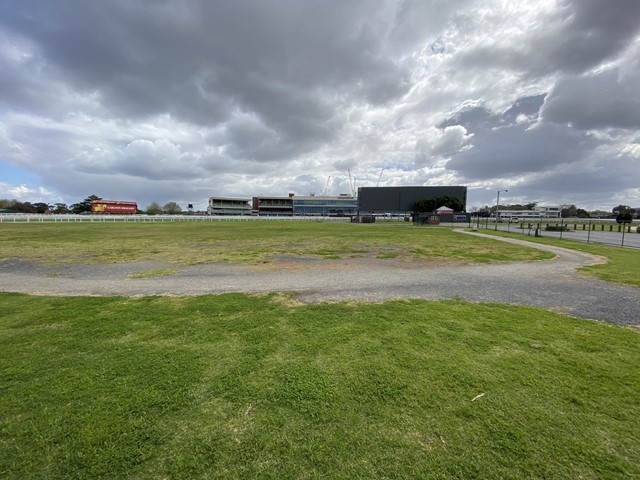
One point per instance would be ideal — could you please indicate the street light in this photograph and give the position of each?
(498, 206)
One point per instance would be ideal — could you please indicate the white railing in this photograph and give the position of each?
(71, 218)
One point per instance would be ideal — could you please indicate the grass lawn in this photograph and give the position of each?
(234, 386)
(623, 264)
(190, 243)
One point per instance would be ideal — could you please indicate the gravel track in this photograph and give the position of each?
(551, 284)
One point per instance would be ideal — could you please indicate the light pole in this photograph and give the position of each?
(498, 206)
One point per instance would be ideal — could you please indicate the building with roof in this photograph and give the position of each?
(228, 206)
(276, 206)
(326, 206)
(311, 205)
(401, 199)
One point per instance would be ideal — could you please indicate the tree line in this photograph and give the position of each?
(15, 206)
(430, 205)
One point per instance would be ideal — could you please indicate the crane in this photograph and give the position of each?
(326, 187)
(380, 177)
(352, 183)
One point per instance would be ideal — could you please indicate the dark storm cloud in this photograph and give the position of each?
(604, 177)
(501, 147)
(473, 119)
(514, 150)
(529, 106)
(479, 118)
(578, 36)
(287, 63)
(592, 31)
(603, 100)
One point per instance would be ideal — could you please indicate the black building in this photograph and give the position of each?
(401, 199)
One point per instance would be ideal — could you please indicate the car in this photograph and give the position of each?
(638, 229)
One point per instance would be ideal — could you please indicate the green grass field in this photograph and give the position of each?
(237, 386)
(259, 387)
(256, 242)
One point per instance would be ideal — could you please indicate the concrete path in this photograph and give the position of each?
(550, 284)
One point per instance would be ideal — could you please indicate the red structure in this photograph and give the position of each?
(114, 206)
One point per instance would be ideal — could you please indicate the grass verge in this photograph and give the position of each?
(261, 387)
(156, 272)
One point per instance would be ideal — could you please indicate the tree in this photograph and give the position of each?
(24, 207)
(172, 208)
(424, 205)
(582, 213)
(569, 212)
(621, 209)
(41, 207)
(60, 208)
(6, 204)
(153, 209)
(625, 217)
(624, 213)
(531, 206)
(85, 205)
(453, 203)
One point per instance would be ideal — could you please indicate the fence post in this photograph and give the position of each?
(589, 232)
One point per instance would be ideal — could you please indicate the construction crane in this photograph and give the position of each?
(380, 177)
(352, 183)
(326, 187)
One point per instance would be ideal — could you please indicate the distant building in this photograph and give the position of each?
(539, 212)
(341, 206)
(228, 206)
(312, 205)
(549, 212)
(113, 207)
(444, 210)
(402, 199)
(278, 206)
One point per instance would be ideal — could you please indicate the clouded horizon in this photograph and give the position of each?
(158, 101)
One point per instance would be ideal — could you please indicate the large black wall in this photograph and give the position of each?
(401, 199)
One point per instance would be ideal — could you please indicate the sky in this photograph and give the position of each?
(181, 100)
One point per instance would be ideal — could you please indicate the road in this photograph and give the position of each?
(631, 240)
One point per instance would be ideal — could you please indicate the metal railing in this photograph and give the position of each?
(584, 230)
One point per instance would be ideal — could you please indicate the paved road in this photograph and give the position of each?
(551, 284)
(630, 240)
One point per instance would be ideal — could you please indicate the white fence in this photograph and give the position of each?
(71, 218)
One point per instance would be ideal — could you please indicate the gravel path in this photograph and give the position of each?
(551, 284)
